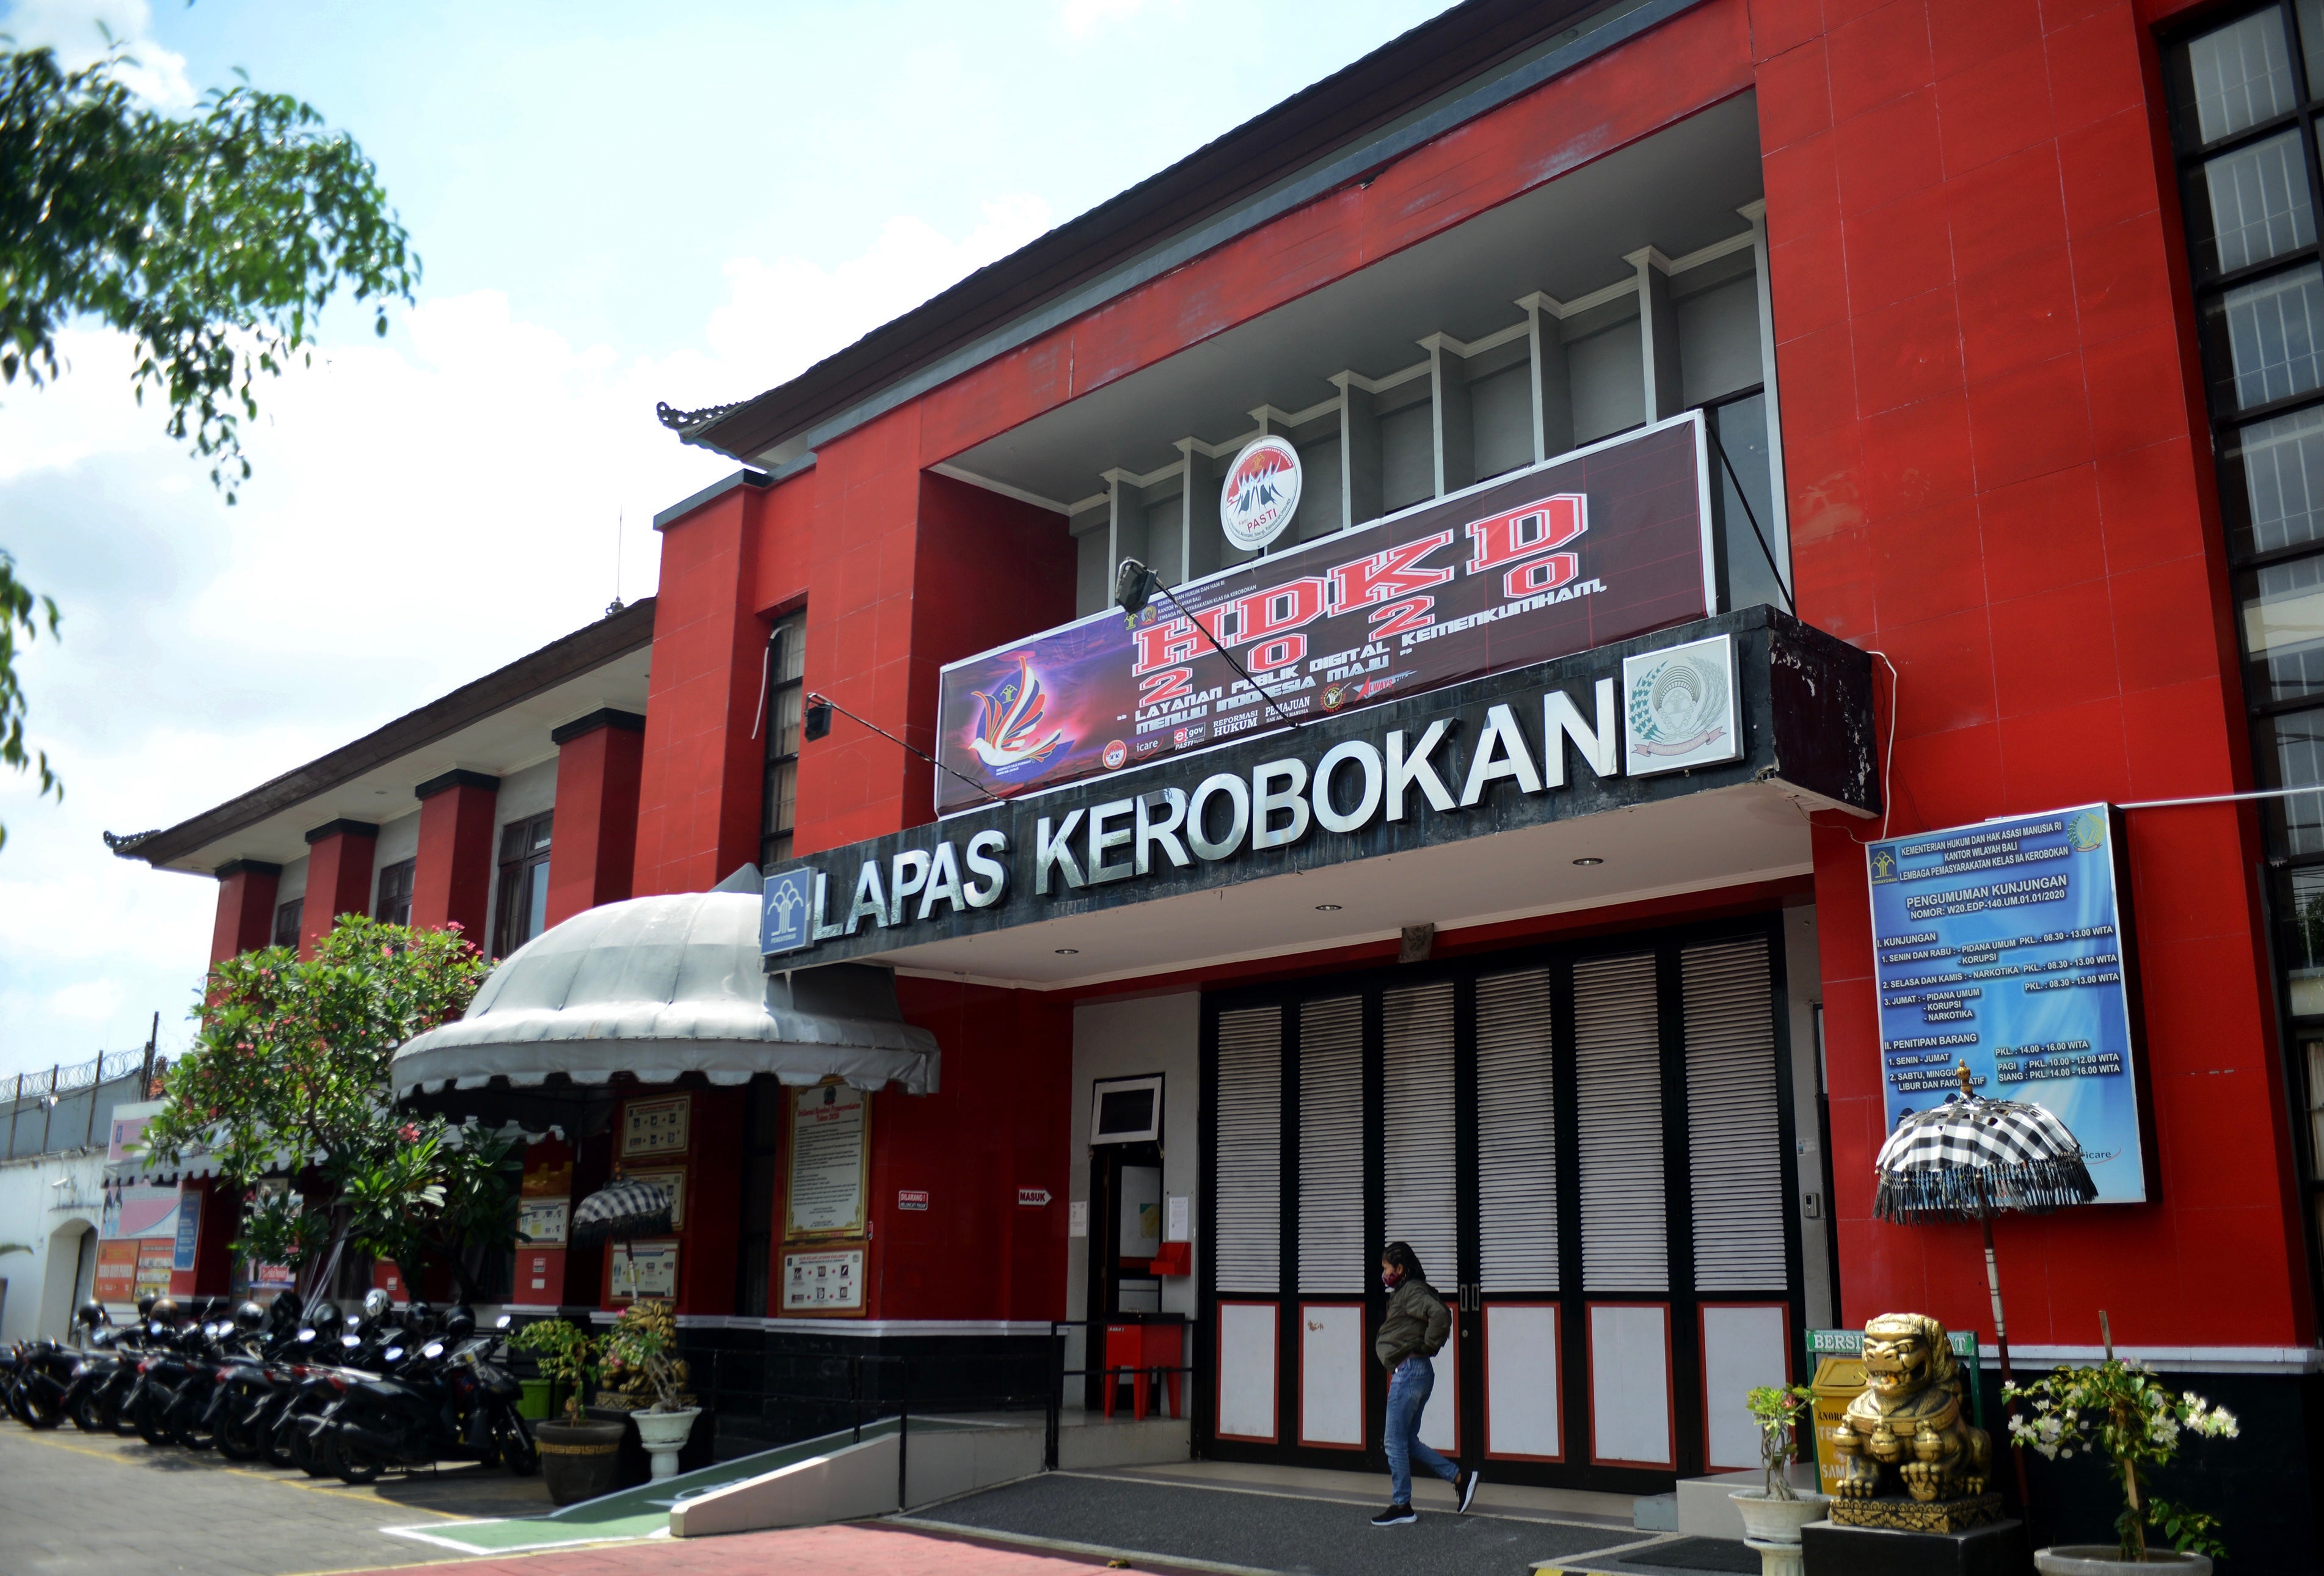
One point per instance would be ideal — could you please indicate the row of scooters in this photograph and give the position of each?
(330, 1393)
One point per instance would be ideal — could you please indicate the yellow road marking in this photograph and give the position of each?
(120, 1459)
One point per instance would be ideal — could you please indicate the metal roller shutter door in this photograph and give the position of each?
(1618, 1092)
(1250, 1218)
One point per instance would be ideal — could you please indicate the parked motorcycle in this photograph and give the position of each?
(447, 1399)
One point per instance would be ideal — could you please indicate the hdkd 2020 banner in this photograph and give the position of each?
(1597, 546)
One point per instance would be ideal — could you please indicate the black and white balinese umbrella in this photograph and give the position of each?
(1969, 1156)
(621, 1212)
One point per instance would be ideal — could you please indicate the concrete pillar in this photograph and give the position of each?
(339, 856)
(452, 875)
(245, 908)
(593, 855)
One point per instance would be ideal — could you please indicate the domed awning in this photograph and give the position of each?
(658, 986)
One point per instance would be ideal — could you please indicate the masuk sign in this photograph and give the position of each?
(1600, 545)
(1747, 697)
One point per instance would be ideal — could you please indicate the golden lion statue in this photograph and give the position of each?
(1909, 1417)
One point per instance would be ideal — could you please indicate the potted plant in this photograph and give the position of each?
(643, 1348)
(1775, 1513)
(578, 1456)
(2119, 1410)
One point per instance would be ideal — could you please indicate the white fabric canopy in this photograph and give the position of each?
(660, 986)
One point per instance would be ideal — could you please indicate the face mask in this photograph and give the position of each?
(1389, 1278)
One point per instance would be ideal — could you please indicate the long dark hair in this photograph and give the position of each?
(1401, 1255)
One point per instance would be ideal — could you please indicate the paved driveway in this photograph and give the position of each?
(75, 1503)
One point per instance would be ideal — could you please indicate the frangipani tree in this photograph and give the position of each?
(289, 1075)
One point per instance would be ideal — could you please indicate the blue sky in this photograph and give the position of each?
(616, 203)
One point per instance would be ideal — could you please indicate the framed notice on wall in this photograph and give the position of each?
(2006, 945)
(655, 1127)
(830, 1162)
(543, 1221)
(643, 1270)
(824, 1283)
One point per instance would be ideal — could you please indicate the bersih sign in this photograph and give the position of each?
(1606, 543)
(2003, 945)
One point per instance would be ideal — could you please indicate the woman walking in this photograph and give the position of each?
(1413, 1331)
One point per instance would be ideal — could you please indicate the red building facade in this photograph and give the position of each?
(1946, 278)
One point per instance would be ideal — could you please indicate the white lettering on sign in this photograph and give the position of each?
(911, 1198)
(1033, 1197)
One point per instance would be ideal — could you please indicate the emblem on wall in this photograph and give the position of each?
(1678, 707)
(1260, 493)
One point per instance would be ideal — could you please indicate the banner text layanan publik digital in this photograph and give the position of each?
(1597, 546)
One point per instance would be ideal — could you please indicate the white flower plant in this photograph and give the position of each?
(2119, 1410)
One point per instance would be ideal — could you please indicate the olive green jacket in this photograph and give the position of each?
(1416, 1322)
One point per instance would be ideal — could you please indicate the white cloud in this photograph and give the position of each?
(424, 509)
(1083, 18)
(77, 30)
(90, 1000)
(781, 317)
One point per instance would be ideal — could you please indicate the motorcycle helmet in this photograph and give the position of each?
(92, 1314)
(249, 1317)
(460, 1322)
(165, 1311)
(375, 1305)
(145, 1305)
(418, 1316)
(326, 1317)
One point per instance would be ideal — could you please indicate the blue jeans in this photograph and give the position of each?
(1407, 1399)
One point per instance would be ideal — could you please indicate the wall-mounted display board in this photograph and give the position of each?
(2005, 945)
(543, 1221)
(656, 1127)
(830, 1163)
(829, 1281)
(643, 1270)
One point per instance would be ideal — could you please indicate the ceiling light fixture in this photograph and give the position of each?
(1067, 952)
(1590, 861)
(1327, 908)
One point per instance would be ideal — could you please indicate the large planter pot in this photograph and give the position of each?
(2106, 1559)
(1778, 1521)
(662, 1434)
(577, 1459)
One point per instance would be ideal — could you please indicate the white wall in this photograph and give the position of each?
(1130, 1039)
(37, 1304)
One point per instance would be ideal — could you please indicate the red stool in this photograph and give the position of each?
(1143, 1348)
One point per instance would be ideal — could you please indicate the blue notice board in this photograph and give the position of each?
(2002, 944)
(189, 1229)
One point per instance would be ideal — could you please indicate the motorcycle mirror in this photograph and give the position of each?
(393, 1354)
(305, 1336)
(433, 1349)
(502, 1322)
(349, 1341)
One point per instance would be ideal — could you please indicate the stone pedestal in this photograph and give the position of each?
(1996, 1549)
(1901, 1514)
(1776, 1559)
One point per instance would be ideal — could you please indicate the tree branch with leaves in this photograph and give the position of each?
(213, 240)
(288, 1076)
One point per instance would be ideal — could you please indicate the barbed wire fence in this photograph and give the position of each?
(32, 1105)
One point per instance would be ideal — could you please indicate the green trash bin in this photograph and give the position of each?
(534, 1405)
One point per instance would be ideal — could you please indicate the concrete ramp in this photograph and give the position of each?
(846, 1479)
